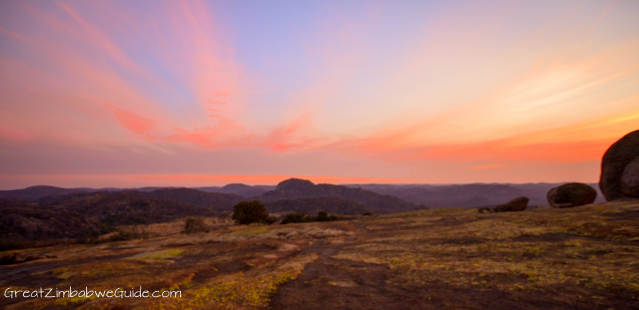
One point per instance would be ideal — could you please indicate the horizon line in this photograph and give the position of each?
(137, 181)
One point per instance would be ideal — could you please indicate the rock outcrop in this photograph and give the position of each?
(630, 179)
(617, 158)
(571, 195)
(517, 204)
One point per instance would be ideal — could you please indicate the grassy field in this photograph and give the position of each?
(581, 258)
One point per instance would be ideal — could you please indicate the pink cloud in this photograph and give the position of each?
(102, 41)
(225, 133)
(294, 134)
(13, 135)
(139, 125)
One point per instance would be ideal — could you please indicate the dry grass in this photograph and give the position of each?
(593, 250)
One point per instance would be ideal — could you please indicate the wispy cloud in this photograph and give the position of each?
(407, 90)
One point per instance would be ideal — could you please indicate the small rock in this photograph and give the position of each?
(293, 234)
(484, 210)
(571, 195)
(517, 204)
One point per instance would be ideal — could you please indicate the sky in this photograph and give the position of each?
(204, 93)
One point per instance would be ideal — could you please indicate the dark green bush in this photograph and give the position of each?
(296, 217)
(247, 212)
(322, 216)
(195, 225)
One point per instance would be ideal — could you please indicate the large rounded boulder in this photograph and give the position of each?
(630, 179)
(617, 158)
(571, 195)
(517, 204)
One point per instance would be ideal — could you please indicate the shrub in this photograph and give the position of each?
(322, 216)
(367, 214)
(296, 218)
(247, 212)
(195, 225)
(270, 220)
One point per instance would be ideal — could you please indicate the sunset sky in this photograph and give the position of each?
(188, 93)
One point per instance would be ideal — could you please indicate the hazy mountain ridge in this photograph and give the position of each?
(51, 212)
(436, 196)
(34, 193)
(239, 189)
(219, 202)
(27, 224)
(88, 214)
(297, 188)
(312, 206)
(131, 207)
(468, 195)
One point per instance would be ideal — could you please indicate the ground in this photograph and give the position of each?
(580, 258)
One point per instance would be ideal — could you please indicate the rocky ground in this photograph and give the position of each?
(580, 258)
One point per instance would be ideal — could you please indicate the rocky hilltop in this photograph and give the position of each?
(298, 188)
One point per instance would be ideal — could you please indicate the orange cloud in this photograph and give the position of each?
(508, 150)
(482, 167)
(582, 142)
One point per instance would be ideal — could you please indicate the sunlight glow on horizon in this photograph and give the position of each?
(192, 93)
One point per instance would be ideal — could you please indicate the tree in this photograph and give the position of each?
(247, 212)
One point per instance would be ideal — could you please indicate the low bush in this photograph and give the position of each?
(296, 217)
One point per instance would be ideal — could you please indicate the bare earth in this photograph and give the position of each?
(581, 258)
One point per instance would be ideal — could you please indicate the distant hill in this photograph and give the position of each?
(9, 203)
(467, 195)
(28, 224)
(239, 189)
(34, 193)
(216, 201)
(130, 207)
(81, 214)
(297, 188)
(312, 206)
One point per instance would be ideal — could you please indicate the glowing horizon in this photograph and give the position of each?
(127, 94)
